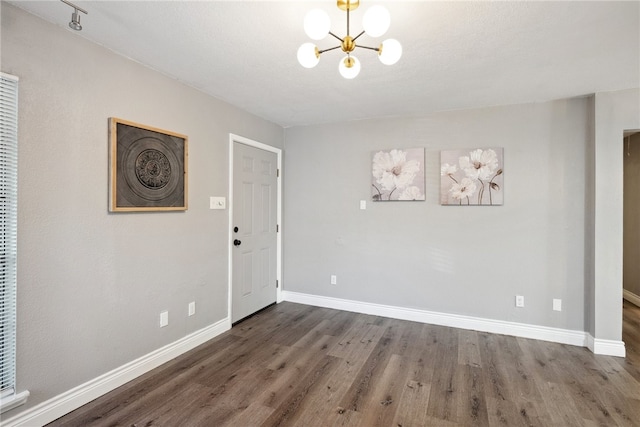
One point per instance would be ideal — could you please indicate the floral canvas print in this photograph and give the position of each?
(398, 175)
(472, 177)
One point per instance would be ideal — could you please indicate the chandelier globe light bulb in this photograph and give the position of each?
(390, 51)
(308, 55)
(349, 67)
(317, 24)
(376, 21)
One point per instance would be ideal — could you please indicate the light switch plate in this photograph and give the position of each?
(164, 319)
(363, 204)
(217, 203)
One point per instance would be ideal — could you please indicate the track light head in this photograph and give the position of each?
(74, 24)
(75, 21)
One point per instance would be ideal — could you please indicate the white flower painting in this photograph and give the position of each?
(472, 177)
(398, 175)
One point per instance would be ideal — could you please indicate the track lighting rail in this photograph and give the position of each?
(74, 6)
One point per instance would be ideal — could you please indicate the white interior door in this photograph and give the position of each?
(254, 234)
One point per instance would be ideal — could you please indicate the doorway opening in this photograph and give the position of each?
(631, 242)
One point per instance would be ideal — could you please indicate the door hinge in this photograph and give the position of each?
(277, 173)
(277, 284)
(277, 228)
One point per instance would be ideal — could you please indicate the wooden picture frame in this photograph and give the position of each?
(148, 168)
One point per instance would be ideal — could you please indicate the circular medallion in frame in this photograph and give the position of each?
(148, 168)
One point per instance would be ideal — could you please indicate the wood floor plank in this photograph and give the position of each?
(290, 371)
(381, 409)
(520, 377)
(254, 416)
(302, 324)
(472, 406)
(625, 412)
(269, 319)
(412, 406)
(311, 336)
(589, 404)
(498, 381)
(353, 356)
(333, 390)
(191, 400)
(560, 409)
(352, 349)
(231, 398)
(468, 348)
(361, 337)
(409, 344)
(443, 398)
(541, 363)
(504, 412)
(348, 419)
(295, 365)
(301, 396)
(370, 373)
(620, 378)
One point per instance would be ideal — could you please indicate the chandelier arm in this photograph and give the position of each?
(377, 49)
(327, 50)
(356, 37)
(335, 36)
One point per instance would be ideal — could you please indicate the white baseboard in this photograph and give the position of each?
(66, 402)
(606, 347)
(563, 336)
(631, 297)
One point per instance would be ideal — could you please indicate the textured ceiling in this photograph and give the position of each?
(456, 55)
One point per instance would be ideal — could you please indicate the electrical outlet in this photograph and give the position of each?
(557, 304)
(363, 204)
(334, 279)
(192, 308)
(519, 301)
(164, 319)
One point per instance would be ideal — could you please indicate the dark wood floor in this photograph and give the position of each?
(296, 365)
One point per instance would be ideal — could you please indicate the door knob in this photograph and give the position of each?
(237, 242)
(235, 229)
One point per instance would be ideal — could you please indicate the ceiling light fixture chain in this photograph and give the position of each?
(376, 21)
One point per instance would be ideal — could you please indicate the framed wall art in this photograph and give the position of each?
(472, 177)
(398, 175)
(148, 168)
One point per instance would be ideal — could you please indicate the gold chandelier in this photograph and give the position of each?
(375, 22)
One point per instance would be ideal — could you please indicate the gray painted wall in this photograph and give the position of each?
(590, 223)
(631, 249)
(461, 260)
(91, 283)
(614, 113)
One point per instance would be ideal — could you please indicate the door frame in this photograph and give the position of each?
(246, 141)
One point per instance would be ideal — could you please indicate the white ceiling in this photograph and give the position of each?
(457, 55)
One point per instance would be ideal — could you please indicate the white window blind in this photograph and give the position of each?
(8, 233)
